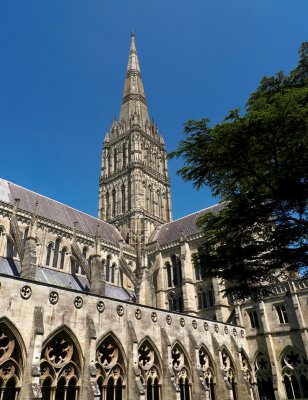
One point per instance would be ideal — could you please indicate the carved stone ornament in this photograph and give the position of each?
(216, 328)
(234, 332)
(100, 306)
(138, 313)
(226, 330)
(120, 310)
(206, 326)
(53, 297)
(182, 322)
(242, 333)
(194, 324)
(169, 319)
(78, 302)
(26, 292)
(154, 316)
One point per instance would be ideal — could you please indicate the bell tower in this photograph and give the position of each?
(134, 188)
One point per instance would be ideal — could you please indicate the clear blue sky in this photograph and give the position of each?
(62, 69)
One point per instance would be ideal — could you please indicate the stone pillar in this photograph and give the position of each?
(29, 262)
(36, 356)
(188, 287)
(97, 274)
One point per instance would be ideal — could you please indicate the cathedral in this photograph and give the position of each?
(112, 308)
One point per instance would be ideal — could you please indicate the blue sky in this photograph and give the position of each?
(62, 69)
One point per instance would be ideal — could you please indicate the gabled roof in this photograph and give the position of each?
(57, 212)
(172, 231)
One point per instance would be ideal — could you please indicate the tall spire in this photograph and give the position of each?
(133, 100)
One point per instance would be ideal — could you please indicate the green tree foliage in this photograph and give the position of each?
(258, 165)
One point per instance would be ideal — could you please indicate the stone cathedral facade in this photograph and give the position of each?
(113, 308)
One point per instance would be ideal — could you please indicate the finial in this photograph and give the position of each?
(132, 34)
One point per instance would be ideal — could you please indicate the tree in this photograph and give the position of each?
(258, 165)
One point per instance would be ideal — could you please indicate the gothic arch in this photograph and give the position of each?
(229, 371)
(294, 368)
(12, 358)
(150, 365)
(182, 370)
(263, 374)
(111, 364)
(208, 371)
(61, 365)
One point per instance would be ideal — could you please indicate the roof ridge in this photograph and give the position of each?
(196, 212)
(56, 201)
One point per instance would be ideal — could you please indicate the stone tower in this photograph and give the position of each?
(134, 188)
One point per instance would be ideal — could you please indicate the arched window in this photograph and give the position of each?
(107, 274)
(110, 369)
(150, 367)
(107, 206)
(264, 377)
(115, 159)
(170, 302)
(113, 202)
(109, 163)
(10, 364)
(182, 371)
(123, 198)
(197, 274)
(229, 371)
(26, 234)
(10, 249)
(169, 276)
(60, 368)
(56, 253)
(113, 268)
(209, 376)
(48, 255)
(295, 373)
(174, 270)
(124, 155)
(282, 314)
(62, 258)
(211, 298)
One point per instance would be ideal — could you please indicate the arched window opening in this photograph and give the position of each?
(174, 270)
(10, 364)
(254, 320)
(211, 298)
(113, 268)
(11, 251)
(107, 274)
(295, 373)
(181, 370)
(150, 368)
(123, 198)
(107, 206)
(209, 377)
(56, 253)
(62, 258)
(197, 274)
(170, 303)
(229, 371)
(169, 276)
(113, 202)
(26, 234)
(90, 259)
(48, 255)
(110, 369)
(264, 377)
(282, 314)
(115, 159)
(60, 368)
(124, 155)
(109, 163)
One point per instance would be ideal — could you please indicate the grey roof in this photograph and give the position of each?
(64, 280)
(172, 231)
(57, 212)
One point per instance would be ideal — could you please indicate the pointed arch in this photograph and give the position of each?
(111, 367)
(229, 371)
(182, 370)
(207, 366)
(12, 358)
(61, 365)
(294, 365)
(150, 365)
(263, 373)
